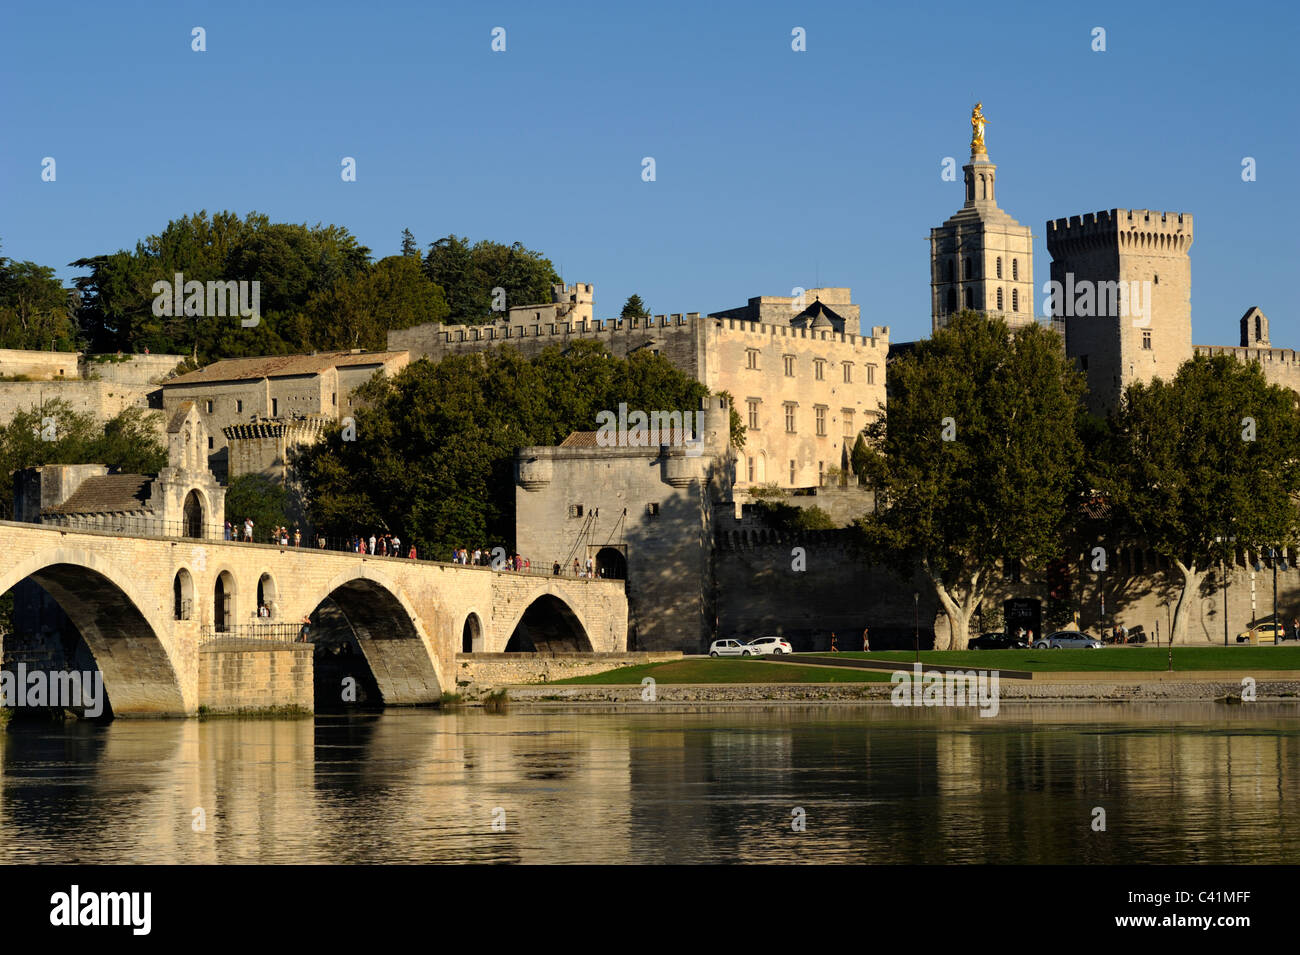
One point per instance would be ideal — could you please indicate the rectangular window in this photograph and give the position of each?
(751, 470)
(848, 372)
(871, 374)
(652, 510)
(791, 472)
(848, 421)
(819, 369)
(821, 473)
(275, 407)
(789, 417)
(210, 445)
(575, 510)
(207, 406)
(752, 404)
(821, 420)
(1146, 341)
(751, 358)
(239, 406)
(789, 366)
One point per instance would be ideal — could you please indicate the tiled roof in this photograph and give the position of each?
(279, 366)
(178, 417)
(107, 493)
(588, 439)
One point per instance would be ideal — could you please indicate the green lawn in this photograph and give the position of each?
(1107, 658)
(729, 671)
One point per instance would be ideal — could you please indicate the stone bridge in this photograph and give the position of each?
(146, 605)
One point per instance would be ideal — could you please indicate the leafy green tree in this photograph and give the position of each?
(468, 274)
(433, 458)
(979, 460)
(1208, 456)
(262, 498)
(409, 245)
(34, 308)
(359, 311)
(859, 456)
(634, 308)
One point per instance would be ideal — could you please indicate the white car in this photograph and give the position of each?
(1068, 638)
(731, 648)
(773, 645)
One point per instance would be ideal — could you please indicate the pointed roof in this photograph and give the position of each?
(178, 417)
(819, 316)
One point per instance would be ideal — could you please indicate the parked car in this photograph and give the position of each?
(997, 641)
(1073, 639)
(773, 645)
(1267, 632)
(731, 648)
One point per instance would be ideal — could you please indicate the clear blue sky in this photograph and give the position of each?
(774, 168)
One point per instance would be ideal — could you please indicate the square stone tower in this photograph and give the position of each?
(1121, 290)
(981, 258)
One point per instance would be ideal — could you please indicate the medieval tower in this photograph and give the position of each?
(981, 258)
(1121, 288)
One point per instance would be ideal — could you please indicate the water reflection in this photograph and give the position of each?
(1189, 783)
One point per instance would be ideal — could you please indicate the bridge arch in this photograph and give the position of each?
(389, 631)
(133, 648)
(183, 606)
(225, 600)
(472, 635)
(268, 594)
(549, 622)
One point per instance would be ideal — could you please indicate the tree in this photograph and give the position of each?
(977, 460)
(634, 308)
(260, 497)
(859, 455)
(33, 308)
(468, 274)
(409, 245)
(359, 311)
(1208, 456)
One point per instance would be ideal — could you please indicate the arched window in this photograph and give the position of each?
(965, 268)
(999, 266)
(999, 298)
(952, 268)
(1015, 300)
(970, 298)
(952, 301)
(1015, 270)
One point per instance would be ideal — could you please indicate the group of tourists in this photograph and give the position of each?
(483, 557)
(579, 569)
(381, 545)
(280, 535)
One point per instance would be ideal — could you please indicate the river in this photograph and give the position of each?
(1180, 783)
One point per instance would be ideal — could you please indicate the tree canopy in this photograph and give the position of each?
(977, 460)
(34, 308)
(468, 274)
(1192, 463)
(433, 455)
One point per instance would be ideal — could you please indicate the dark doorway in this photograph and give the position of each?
(193, 515)
(222, 602)
(611, 564)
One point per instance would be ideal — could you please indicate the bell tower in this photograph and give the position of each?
(981, 258)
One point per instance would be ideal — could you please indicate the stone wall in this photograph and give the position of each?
(240, 676)
(100, 399)
(1281, 366)
(504, 669)
(43, 365)
(137, 370)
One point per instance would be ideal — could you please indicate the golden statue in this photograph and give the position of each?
(977, 127)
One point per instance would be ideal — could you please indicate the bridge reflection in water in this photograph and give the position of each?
(1182, 783)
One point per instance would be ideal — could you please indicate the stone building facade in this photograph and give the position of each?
(280, 388)
(804, 380)
(643, 514)
(981, 258)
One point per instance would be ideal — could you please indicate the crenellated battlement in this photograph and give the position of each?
(1139, 230)
(879, 336)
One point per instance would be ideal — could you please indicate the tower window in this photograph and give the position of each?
(752, 404)
(789, 417)
(821, 421)
(1015, 300)
(239, 406)
(965, 268)
(751, 358)
(871, 374)
(575, 510)
(951, 270)
(792, 472)
(848, 372)
(999, 294)
(1146, 341)
(1015, 270)
(952, 300)
(970, 298)
(819, 369)
(789, 366)
(999, 266)
(207, 406)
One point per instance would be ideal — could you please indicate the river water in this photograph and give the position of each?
(1182, 783)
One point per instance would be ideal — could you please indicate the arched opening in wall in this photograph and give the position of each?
(192, 515)
(267, 595)
(549, 626)
(471, 637)
(952, 300)
(611, 563)
(762, 467)
(70, 618)
(183, 595)
(223, 602)
(970, 298)
(367, 651)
